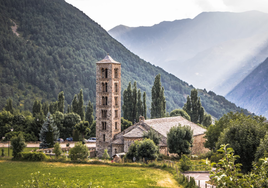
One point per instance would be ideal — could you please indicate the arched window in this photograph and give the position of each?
(116, 101)
(103, 125)
(116, 87)
(103, 137)
(106, 87)
(104, 101)
(115, 125)
(106, 73)
(116, 113)
(116, 73)
(104, 113)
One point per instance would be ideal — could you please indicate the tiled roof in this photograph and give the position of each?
(163, 125)
(135, 133)
(108, 59)
(118, 141)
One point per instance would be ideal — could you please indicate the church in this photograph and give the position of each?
(108, 117)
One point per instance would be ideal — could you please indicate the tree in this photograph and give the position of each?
(134, 103)
(49, 133)
(244, 136)
(105, 154)
(158, 105)
(180, 139)
(213, 132)
(79, 151)
(127, 105)
(180, 112)
(59, 121)
(5, 122)
(207, 120)
(9, 106)
(143, 149)
(194, 108)
(144, 106)
(75, 105)
(139, 105)
(53, 107)
(18, 144)
(147, 149)
(125, 123)
(61, 102)
(153, 135)
(57, 150)
(70, 120)
(263, 147)
(37, 108)
(89, 113)
(83, 128)
(45, 108)
(80, 105)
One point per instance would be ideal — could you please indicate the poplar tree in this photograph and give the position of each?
(134, 103)
(89, 113)
(75, 104)
(127, 106)
(80, 106)
(158, 105)
(45, 108)
(37, 108)
(194, 108)
(144, 106)
(61, 102)
(139, 105)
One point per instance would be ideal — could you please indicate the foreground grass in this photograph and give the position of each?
(100, 175)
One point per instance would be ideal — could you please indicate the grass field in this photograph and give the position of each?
(10, 150)
(100, 175)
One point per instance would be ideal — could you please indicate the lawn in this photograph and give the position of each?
(100, 175)
(10, 150)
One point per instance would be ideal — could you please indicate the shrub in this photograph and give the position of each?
(185, 163)
(32, 156)
(18, 144)
(3, 152)
(78, 151)
(216, 157)
(57, 150)
(105, 154)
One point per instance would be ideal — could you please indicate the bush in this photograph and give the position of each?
(18, 144)
(185, 163)
(32, 156)
(216, 157)
(105, 155)
(57, 150)
(3, 152)
(79, 151)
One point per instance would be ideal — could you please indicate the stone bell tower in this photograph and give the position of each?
(108, 103)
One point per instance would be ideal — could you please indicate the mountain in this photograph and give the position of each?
(252, 92)
(215, 50)
(48, 46)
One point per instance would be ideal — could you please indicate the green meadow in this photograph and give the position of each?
(13, 172)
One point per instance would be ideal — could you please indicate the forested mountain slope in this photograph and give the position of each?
(215, 50)
(57, 49)
(252, 92)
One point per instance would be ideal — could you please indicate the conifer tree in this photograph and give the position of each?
(127, 106)
(134, 103)
(75, 104)
(89, 113)
(139, 105)
(158, 105)
(37, 108)
(194, 108)
(144, 106)
(45, 107)
(69, 110)
(61, 102)
(80, 106)
(53, 107)
(49, 133)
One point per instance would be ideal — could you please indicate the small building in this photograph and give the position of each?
(124, 139)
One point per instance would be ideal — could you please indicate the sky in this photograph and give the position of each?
(133, 13)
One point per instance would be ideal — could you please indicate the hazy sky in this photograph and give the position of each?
(110, 13)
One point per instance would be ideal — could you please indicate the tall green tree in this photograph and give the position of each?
(37, 108)
(89, 113)
(158, 105)
(134, 103)
(127, 105)
(144, 106)
(49, 133)
(61, 102)
(180, 139)
(139, 106)
(53, 107)
(9, 106)
(80, 107)
(83, 128)
(194, 108)
(75, 105)
(244, 136)
(18, 144)
(70, 120)
(180, 112)
(45, 108)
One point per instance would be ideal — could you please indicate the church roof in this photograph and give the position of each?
(108, 59)
(163, 125)
(135, 133)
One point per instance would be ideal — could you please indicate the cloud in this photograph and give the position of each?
(246, 5)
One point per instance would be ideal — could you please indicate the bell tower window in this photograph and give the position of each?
(116, 87)
(115, 73)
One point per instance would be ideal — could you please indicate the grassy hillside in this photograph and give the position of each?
(252, 92)
(57, 49)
